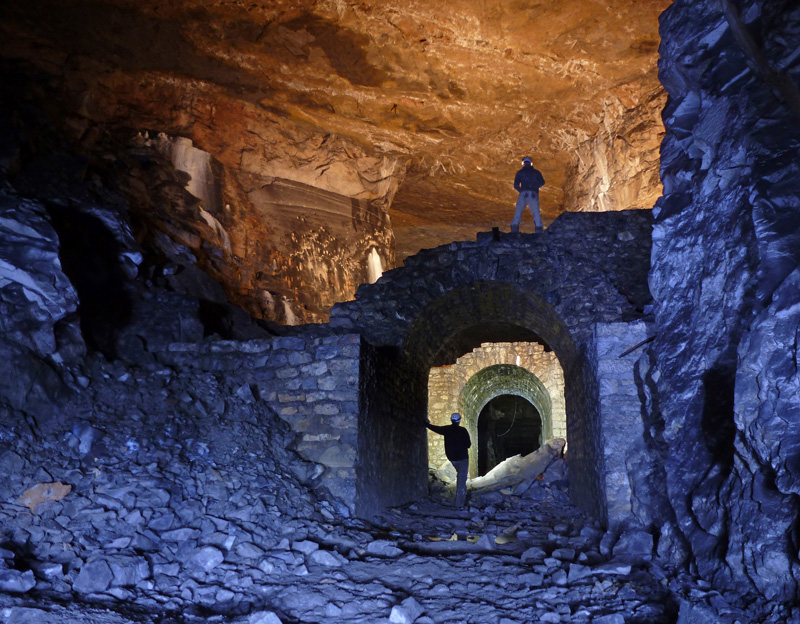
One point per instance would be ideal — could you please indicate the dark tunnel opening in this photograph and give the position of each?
(90, 257)
(508, 425)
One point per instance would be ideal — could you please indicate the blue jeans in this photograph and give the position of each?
(527, 198)
(462, 468)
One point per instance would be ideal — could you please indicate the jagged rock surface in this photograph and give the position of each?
(725, 359)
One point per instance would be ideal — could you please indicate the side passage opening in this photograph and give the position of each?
(508, 425)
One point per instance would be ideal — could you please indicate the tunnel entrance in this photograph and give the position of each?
(515, 386)
(508, 425)
(473, 321)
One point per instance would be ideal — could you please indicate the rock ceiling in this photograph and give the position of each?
(419, 108)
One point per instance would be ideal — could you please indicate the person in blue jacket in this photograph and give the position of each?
(527, 183)
(456, 448)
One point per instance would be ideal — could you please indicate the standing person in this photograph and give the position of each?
(527, 183)
(456, 447)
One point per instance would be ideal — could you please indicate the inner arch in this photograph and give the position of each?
(496, 381)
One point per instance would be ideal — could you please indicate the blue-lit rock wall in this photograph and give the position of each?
(725, 266)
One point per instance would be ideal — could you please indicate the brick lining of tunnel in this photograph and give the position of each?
(488, 372)
(496, 381)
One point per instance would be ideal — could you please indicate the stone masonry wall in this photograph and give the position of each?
(586, 268)
(585, 458)
(589, 266)
(446, 385)
(310, 381)
(619, 412)
(391, 467)
(346, 401)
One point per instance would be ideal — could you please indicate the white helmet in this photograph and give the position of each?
(456, 417)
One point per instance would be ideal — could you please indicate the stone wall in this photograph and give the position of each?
(391, 467)
(725, 264)
(311, 382)
(588, 266)
(607, 455)
(345, 400)
(551, 288)
(619, 413)
(447, 385)
(585, 458)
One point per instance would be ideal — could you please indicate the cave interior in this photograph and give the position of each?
(247, 251)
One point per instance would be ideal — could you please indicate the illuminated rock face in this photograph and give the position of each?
(327, 130)
(618, 168)
(282, 250)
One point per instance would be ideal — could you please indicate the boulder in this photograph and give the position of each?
(406, 612)
(204, 559)
(94, 577)
(16, 582)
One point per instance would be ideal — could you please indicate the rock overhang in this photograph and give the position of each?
(419, 113)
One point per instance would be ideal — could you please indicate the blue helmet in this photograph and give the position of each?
(456, 417)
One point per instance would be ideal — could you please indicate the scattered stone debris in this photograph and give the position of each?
(162, 531)
(160, 528)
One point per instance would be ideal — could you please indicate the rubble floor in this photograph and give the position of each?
(503, 559)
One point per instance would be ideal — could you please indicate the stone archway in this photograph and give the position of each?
(576, 290)
(496, 381)
(479, 312)
(525, 369)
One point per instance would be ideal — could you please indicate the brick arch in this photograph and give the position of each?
(462, 387)
(494, 381)
(507, 306)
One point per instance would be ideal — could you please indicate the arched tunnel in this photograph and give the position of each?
(508, 425)
(454, 324)
(482, 383)
(490, 313)
(529, 318)
(507, 410)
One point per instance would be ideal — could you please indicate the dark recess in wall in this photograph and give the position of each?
(90, 257)
(508, 425)
(719, 428)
